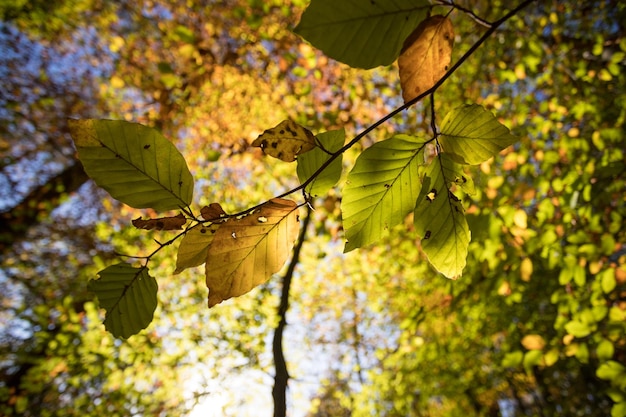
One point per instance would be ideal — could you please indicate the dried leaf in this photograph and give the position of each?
(246, 251)
(212, 212)
(425, 56)
(161, 223)
(286, 141)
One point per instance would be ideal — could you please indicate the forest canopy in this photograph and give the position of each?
(391, 208)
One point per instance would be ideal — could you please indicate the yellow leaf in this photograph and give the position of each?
(286, 141)
(246, 251)
(425, 56)
(520, 219)
(526, 269)
(117, 82)
(194, 246)
(533, 342)
(117, 43)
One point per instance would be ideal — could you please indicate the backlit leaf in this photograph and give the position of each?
(247, 251)
(425, 56)
(457, 177)
(512, 359)
(310, 162)
(134, 163)
(611, 370)
(578, 328)
(440, 220)
(471, 135)
(286, 141)
(362, 34)
(381, 189)
(129, 296)
(194, 247)
(605, 350)
(533, 342)
(532, 358)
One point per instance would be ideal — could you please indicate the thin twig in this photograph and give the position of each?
(468, 12)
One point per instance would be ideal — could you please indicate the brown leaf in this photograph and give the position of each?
(161, 223)
(286, 141)
(425, 56)
(246, 251)
(212, 212)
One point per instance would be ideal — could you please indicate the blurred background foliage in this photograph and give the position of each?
(536, 325)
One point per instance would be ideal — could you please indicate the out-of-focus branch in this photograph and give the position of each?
(281, 377)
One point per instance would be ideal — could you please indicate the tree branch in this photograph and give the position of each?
(281, 378)
(495, 25)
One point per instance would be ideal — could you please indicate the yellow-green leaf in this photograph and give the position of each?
(247, 251)
(310, 162)
(286, 141)
(425, 56)
(471, 135)
(134, 163)
(440, 220)
(512, 359)
(381, 189)
(194, 247)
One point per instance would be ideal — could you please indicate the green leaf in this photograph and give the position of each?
(618, 410)
(310, 162)
(440, 219)
(551, 357)
(185, 34)
(616, 395)
(194, 246)
(454, 173)
(129, 296)
(134, 163)
(577, 328)
(512, 359)
(532, 358)
(362, 34)
(605, 350)
(607, 280)
(471, 135)
(611, 370)
(381, 189)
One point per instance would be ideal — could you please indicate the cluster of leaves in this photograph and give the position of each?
(391, 179)
(541, 315)
(540, 309)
